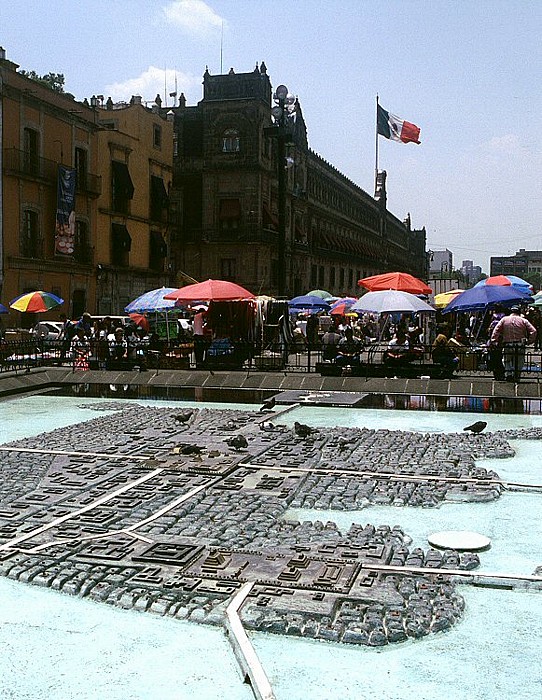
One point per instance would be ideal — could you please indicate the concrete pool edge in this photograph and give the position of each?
(263, 384)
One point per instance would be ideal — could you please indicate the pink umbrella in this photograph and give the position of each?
(211, 290)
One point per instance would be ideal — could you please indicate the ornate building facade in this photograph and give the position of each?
(226, 200)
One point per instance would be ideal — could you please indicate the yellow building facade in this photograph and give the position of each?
(83, 198)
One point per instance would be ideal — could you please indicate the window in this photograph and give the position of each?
(31, 242)
(332, 277)
(158, 199)
(82, 250)
(321, 276)
(122, 188)
(229, 214)
(314, 275)
(157, 136)
(79, 302)
(81, 168)
(230, 141)
(227, 268)
(121, 244)
(31, 151)
(157, 251)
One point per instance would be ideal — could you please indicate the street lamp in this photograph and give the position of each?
(281, 113)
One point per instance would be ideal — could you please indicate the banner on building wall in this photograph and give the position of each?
(65, 211)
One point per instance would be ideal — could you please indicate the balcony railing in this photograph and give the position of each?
(29, 165)
(90, 184)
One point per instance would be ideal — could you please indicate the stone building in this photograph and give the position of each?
(45, 134)
(225, 200)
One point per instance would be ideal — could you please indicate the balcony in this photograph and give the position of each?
(29, 165)
(89, 184)
(34, 167)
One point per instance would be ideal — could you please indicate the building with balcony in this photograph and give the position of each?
(135, 159)
(46, 137)
(226, 200)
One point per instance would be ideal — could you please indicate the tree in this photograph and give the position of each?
(54, 81)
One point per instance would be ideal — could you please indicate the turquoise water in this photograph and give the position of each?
(60, 648)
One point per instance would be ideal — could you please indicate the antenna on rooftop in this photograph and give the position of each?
(221, 45)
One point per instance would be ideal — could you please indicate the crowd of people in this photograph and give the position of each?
(498, 338)
(110, 346)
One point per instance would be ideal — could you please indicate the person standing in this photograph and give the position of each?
(200, 341)
(514, 332)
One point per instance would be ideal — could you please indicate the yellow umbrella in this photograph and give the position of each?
(442, 300)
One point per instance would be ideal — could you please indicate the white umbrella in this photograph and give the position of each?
(391, 301)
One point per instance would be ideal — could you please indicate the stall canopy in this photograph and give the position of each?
(484, 297)
(391, 301)
(210, 290)
(400, 281)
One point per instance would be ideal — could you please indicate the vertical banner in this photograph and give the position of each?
(65, 211)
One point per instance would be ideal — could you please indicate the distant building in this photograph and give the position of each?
(225, 200)
(471, 273)
(440, 261)
(522, 263)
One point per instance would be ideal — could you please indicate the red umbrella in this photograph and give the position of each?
(140, 320)
(211, 290)
(400, 281)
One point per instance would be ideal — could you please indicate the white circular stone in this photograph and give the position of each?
(461, 540)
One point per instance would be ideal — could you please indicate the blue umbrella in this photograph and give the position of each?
(308, 302)
(3, 309)
(506, 281)
(151, 301)
(486, 296)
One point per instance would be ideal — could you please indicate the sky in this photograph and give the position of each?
(467, 72)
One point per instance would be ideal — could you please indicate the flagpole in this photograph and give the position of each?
(376, 143)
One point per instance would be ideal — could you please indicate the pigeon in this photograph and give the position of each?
(237, 441)
(477, 427)
(184, 416)
(268, 405)
(267, 426)
(187, 449)
(303, 430)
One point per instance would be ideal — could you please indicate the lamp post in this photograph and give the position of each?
(284, 106)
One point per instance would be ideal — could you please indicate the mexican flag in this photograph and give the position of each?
(395, 128)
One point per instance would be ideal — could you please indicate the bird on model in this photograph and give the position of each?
(303, 430)
(268, 405)
(238, 442)
(184, 416)
(188, 449)
(477, 427)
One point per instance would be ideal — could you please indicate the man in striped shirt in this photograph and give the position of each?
(514, 332)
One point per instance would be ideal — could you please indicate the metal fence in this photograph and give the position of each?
(22, 355)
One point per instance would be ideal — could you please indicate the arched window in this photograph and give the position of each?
(230, 141)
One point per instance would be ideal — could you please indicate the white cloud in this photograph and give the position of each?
(152, 82)
(192, 16)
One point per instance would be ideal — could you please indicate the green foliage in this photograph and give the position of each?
(54, 81)
(534, 278)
